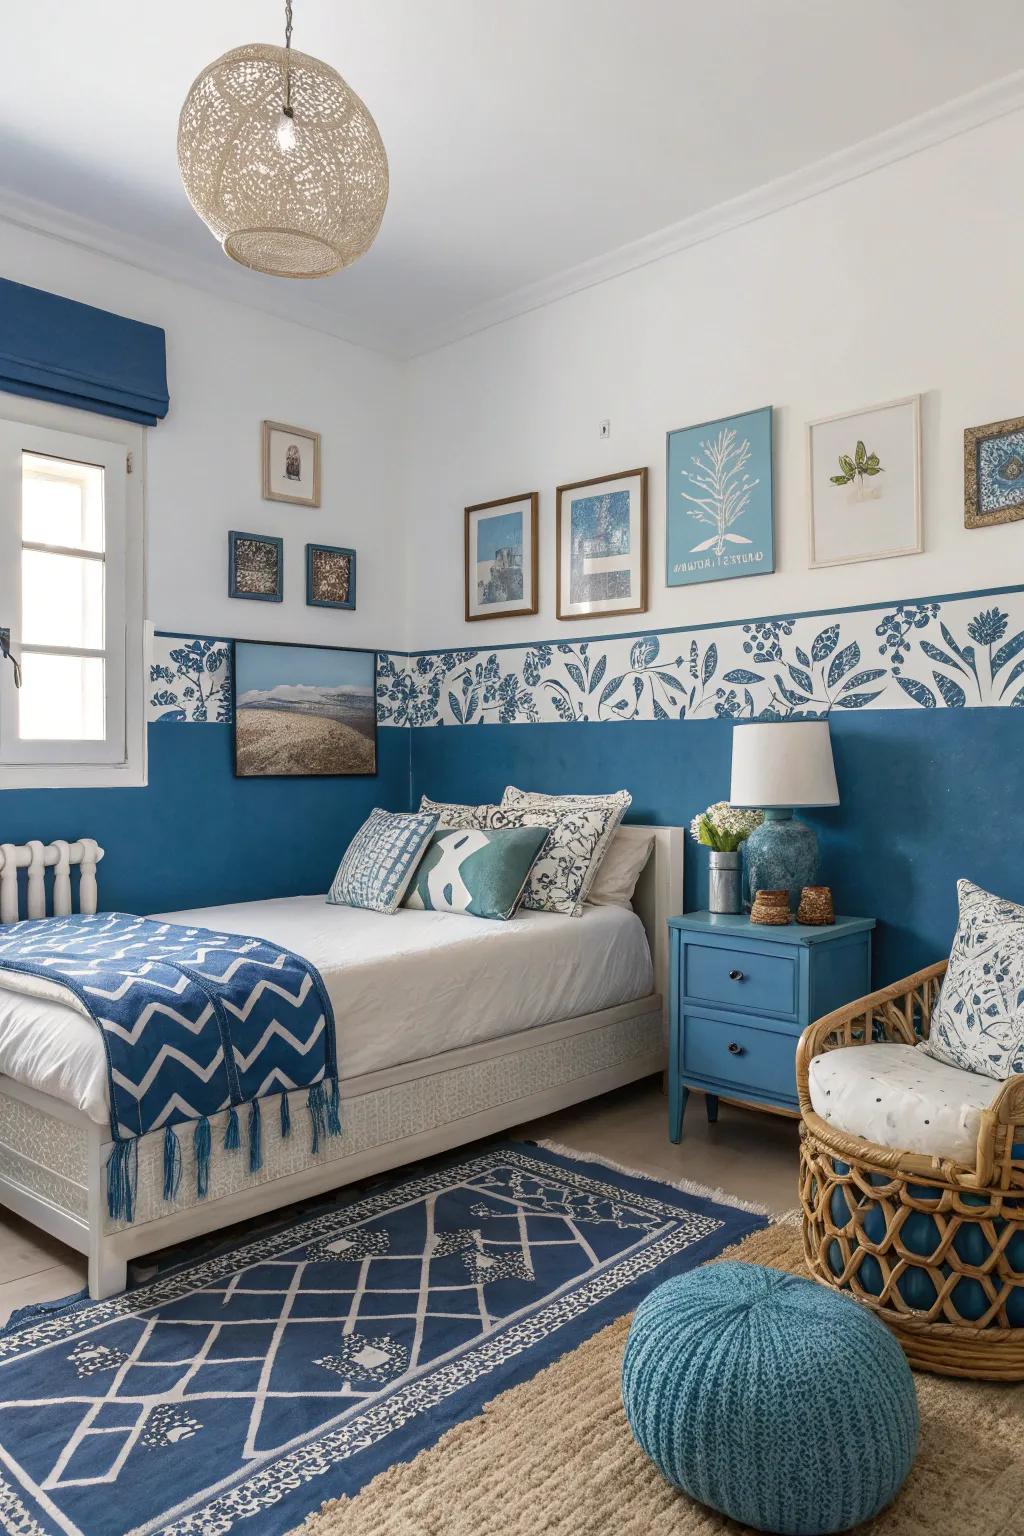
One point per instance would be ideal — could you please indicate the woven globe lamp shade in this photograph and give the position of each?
(302, 202)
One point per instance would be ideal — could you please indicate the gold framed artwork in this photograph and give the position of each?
(994, 473)
(601, 546)
(290, 459)
(501, 558)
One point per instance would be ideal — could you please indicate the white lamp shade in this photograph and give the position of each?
(782, 764)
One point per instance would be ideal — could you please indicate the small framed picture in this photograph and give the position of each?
(864, 469)
(291, 464)
(501, 558)
(719, 490)
(601, 545)
(255, 566)
(994, 473)
(330, 576)
(303, 711)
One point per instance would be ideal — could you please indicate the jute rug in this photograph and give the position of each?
(555, 1455)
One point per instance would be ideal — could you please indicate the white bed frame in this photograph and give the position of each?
(53, 1157)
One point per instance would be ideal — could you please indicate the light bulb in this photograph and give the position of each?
(286, 131)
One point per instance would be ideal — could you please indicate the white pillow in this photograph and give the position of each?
(620, 869)
(602, 815)
(979, 1019)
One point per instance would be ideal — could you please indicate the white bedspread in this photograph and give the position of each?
(403, 987)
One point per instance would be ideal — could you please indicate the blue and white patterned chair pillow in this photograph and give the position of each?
(979, 1019)
(381, 860)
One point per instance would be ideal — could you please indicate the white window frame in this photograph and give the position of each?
(62, 432)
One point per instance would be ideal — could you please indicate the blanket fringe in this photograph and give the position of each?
(232, 1139)
(286, 1116)
(122, 1175)
(201, 1147)
(317, 1103)
(255, 1137)
(172, 1163)
(334, 1109)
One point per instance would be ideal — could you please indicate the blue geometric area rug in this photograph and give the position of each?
(236, 1392)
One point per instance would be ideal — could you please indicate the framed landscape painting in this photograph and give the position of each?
(501, 558)
(864, 469)
(601, 545)
(994, 473)
(303, 710)
(720, 499)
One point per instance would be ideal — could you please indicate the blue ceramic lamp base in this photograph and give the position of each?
(781, 854)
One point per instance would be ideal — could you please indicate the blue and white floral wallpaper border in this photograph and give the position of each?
(948, 653)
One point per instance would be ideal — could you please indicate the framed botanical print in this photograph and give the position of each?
(330, 576)
(303, 710)
(864, 469)
(601, 545)
(255, 566)
(719, 514)
(994, 473)
(501, 558)
(291, 464)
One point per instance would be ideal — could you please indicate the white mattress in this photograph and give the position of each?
(402, 987)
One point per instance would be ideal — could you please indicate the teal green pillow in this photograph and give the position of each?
(482, 873)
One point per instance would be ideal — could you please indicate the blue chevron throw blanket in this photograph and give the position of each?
(193, 1022)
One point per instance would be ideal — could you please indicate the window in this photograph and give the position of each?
(71, 596)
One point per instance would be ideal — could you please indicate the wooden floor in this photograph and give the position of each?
(751, 1156)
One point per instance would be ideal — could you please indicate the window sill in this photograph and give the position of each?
(74, 776)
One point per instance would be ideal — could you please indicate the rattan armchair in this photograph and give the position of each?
(934, 1247)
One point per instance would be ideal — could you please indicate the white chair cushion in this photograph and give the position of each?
(897, 1096)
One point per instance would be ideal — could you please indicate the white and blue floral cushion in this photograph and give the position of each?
(451, 813)
(611, 808)
(978, 1023)
(381, 860)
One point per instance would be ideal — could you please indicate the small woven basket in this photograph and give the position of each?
(770, 908)
(816, 906)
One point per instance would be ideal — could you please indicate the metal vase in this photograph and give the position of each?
(725, 893)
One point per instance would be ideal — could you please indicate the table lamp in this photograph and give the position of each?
(779, 766)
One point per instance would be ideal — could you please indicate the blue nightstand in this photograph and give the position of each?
(741, 995)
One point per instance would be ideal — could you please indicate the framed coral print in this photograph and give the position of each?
(720, 499)
(994, 473)
(601, 545)
(330, 576)
(255, 566)
(864, 472)
(501, 558)
(290, 458)
(303, 711)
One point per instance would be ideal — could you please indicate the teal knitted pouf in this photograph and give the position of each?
(770, 1398)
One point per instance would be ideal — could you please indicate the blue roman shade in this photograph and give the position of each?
(56, 349)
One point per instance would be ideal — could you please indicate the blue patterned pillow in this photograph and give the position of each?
(482, 874)
(979, 1019)
(381, 860)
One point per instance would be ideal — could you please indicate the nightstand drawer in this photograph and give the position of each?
(740, 1056)
(740, 978)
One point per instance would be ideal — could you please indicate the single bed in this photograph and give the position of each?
(449, 1028)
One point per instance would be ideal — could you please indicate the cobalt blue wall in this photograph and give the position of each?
(927, 796)
(196, 835)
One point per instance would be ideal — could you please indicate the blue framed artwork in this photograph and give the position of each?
(601, 545)
(994, 473)
(255, 566)
(501, 558)
(720, 499)
(330, 576)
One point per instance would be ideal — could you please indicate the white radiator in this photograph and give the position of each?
(36, 858)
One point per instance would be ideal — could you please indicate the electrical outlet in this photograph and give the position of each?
(605, 429)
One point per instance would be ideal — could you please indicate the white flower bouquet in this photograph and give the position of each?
(722, 827)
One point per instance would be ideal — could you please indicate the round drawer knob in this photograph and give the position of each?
(735, 975)
(735, 1049)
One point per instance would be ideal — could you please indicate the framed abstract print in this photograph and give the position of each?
(864, 472)
(255, 566)
(330, 576)
(994, 473)
(501, 558)
(290, 459)
(601, 545)
(719, 491)
(303, 710)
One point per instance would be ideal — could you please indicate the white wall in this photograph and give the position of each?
(230, 367)
(906, 280)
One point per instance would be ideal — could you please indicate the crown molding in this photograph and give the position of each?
(953, 118)
(923, 132)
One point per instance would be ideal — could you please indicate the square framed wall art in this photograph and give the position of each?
(290, 458)
(864, 474)
(255, 566)
(330, 576)
(601, 545)
(994, 473)
(719, 488)
(501, 558)
(303, 710)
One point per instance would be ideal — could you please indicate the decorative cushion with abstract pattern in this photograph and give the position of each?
(480, 873)
(452, 814)
(979, 1019)
(381, 860)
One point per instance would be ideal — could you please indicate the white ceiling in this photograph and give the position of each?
(525, 136)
